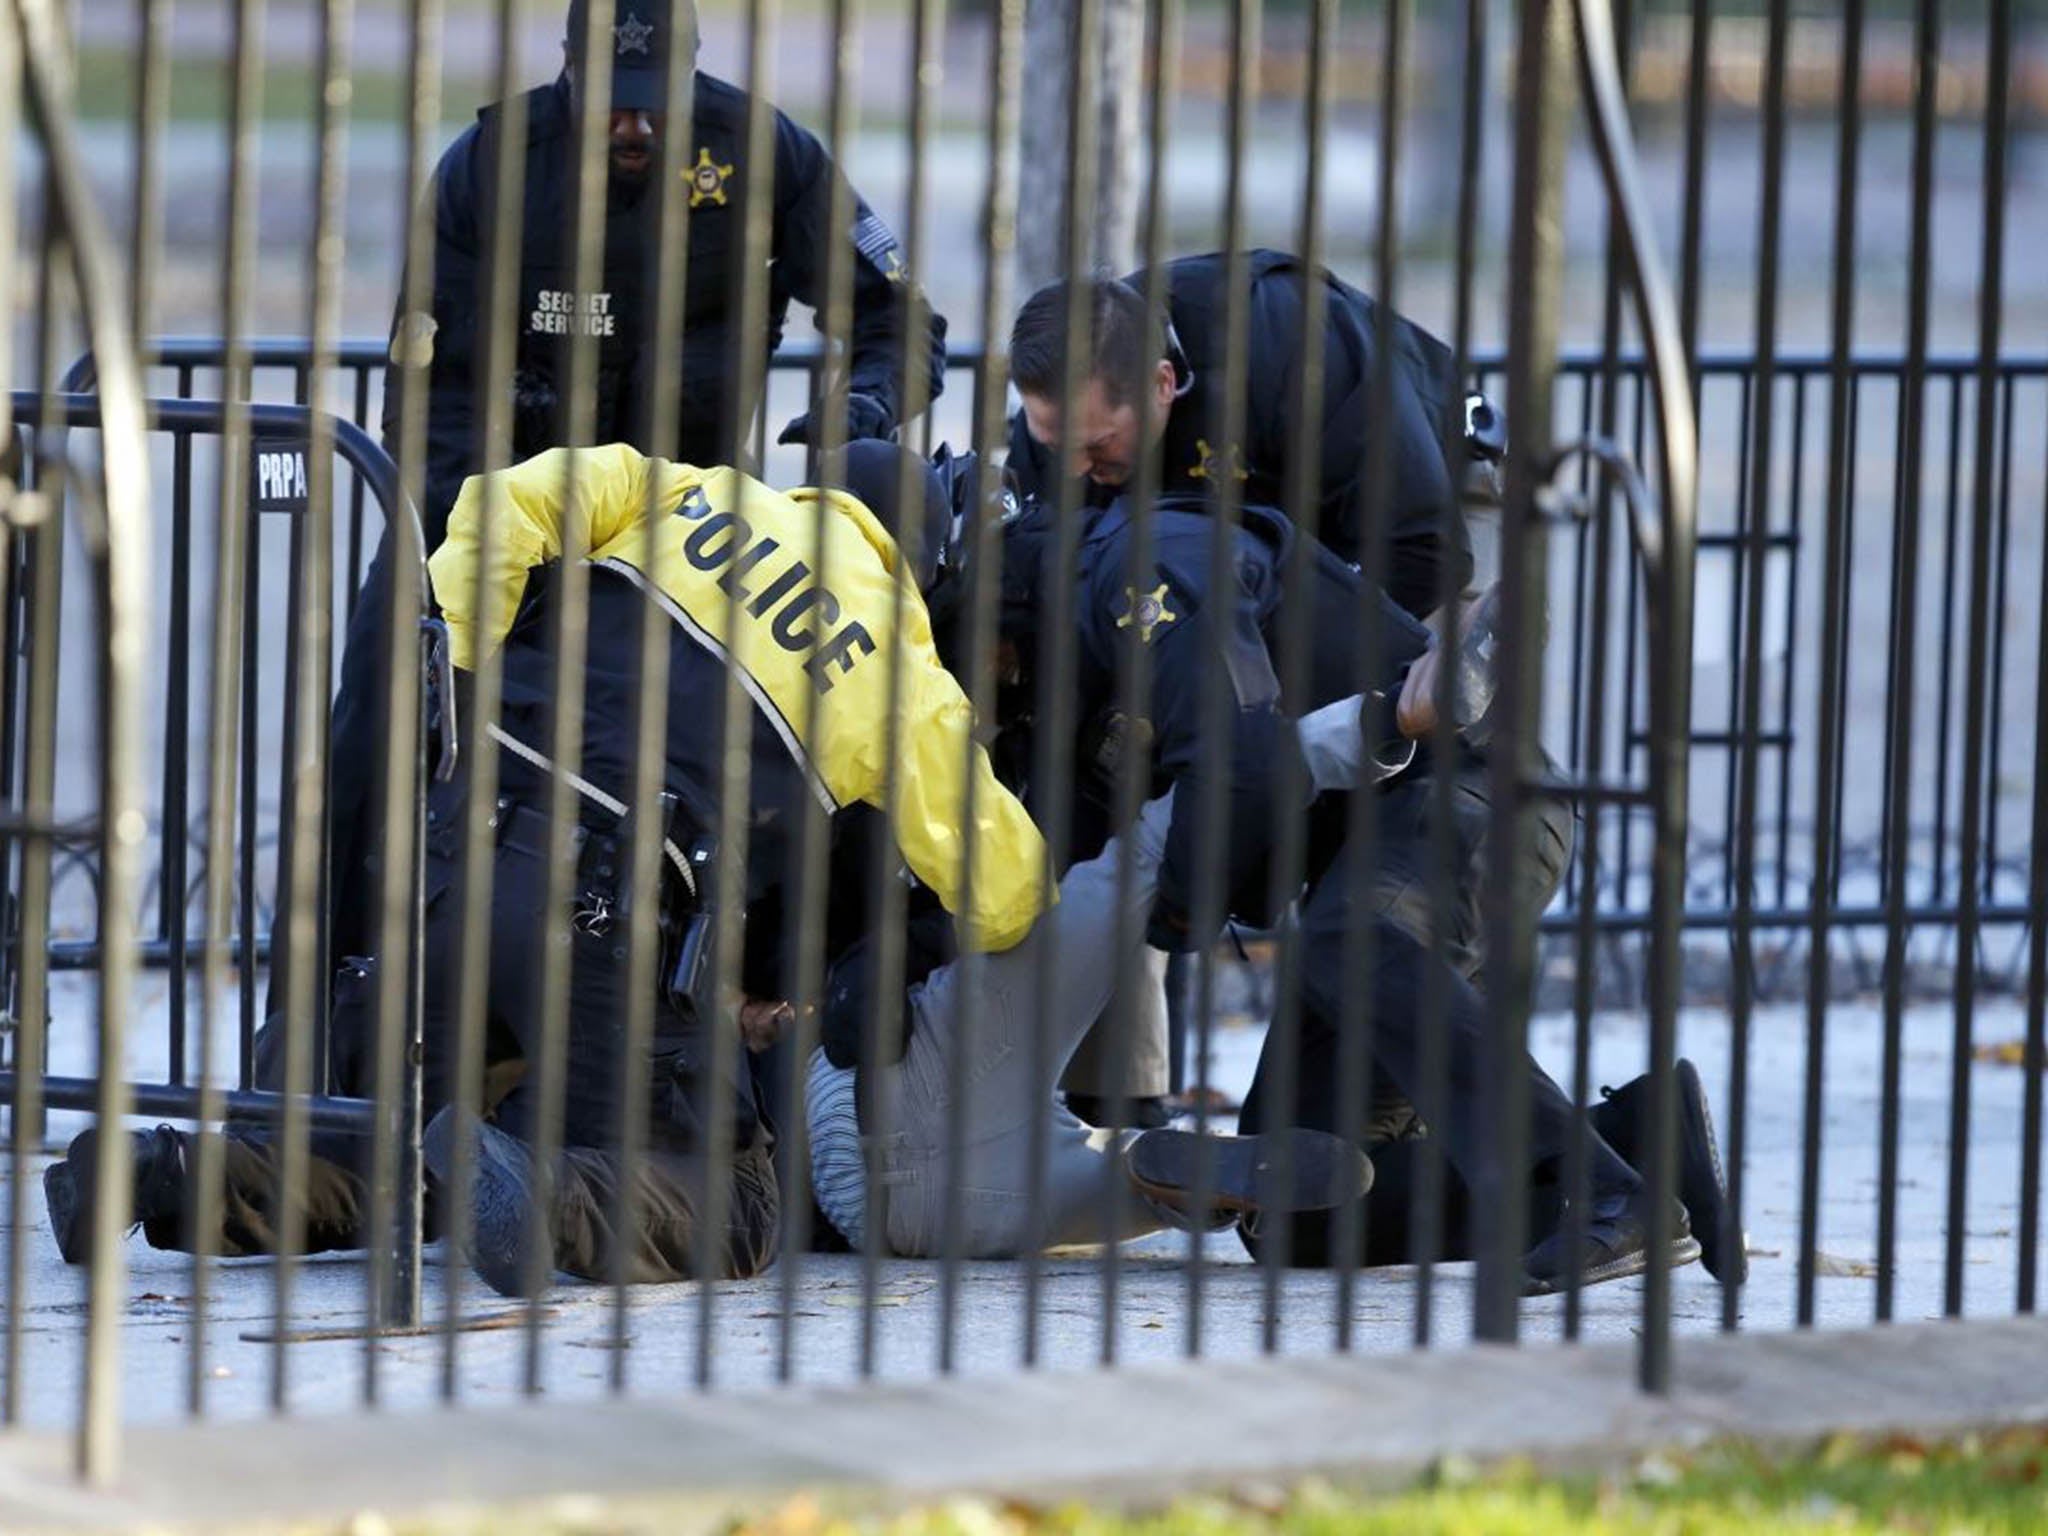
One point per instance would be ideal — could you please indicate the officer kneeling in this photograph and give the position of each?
(811, 600)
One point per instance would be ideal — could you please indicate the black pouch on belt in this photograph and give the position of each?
(690, 915)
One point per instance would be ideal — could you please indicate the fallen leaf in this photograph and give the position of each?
(1848, 1269)
(2003, 1053)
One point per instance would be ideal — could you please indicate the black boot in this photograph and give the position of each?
(1614, 1244)
(155, 1191)
(1323, 1171)
(1623, 1121)
(501, 1202)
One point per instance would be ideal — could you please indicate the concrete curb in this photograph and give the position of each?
(1139, 1434)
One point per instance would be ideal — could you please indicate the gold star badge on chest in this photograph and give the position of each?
(707, 180)
(1146, 610)
(1212, 465)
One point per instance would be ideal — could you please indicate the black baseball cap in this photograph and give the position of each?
(875, 474)
(641, 44)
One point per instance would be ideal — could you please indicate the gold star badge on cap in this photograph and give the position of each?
(632, 35)
(707, 180)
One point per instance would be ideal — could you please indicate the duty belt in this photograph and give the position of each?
(601, 798)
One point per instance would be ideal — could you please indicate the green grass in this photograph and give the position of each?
(1984, 1486)
(201, 91)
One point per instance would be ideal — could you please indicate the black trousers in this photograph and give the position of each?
(1397, 926)
(685, 1103)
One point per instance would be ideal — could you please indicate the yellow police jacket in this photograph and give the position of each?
(813, 654)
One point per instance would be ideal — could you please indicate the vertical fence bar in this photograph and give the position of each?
(1053, 723)
(1739, 571)
(1990, 302)
(2036, 1057)
(1692, 237)
(1163, 66)
(1585, 979)
(749, 376)
(1905, 612)
(1668, 552)
(251, 775)
(309, 693)
(1833, 636)
(497, 355)
(45, 471)
(1356, 1068)
(1763, 430)
(25, 1109)
(826, 389)
(668, 267)
(1427, 1186)
(117, 543)
(2002, 572)
(231, 688)
(352, 571)
(391, 1293)
(984, 552)
(1788, 675)
(1302, 497)
(982, 538)
(152, 102)
(1945, 643)
(177, 717)
(915, 389)
(569, 624)
(1208, 897)
(45, 550)
(1854, 429)
(1542, 97)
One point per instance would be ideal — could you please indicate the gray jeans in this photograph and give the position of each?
(987, 1010)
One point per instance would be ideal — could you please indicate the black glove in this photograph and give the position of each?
(849, 988)
(536, 412)
(865, 417)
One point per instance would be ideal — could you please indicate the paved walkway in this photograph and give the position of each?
(1137, 1435)
(1152, 1304)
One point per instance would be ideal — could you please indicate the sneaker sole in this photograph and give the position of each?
(1323, 1171)
(1693, 1108)
(60, 1195)
(500, 1198)
(1684, 1250)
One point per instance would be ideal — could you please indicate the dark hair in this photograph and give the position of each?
(1124, 340)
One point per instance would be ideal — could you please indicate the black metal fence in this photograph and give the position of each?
(1785, 695)
(1587, 382)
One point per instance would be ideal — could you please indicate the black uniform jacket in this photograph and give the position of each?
(1164, 611)
(1195, 457)
(620, 313)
